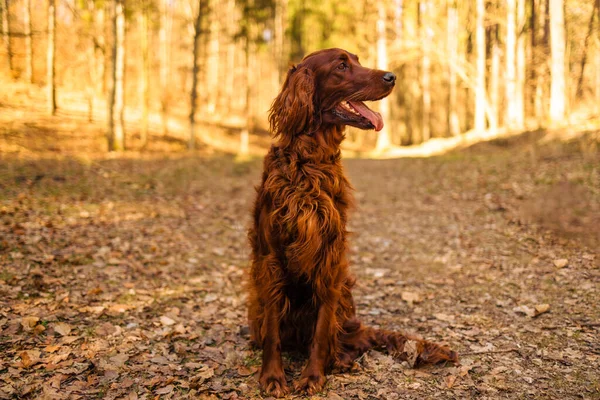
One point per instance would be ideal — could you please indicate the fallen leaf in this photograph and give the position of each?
(541, 308)
(62, 328)
(160, 360)
(561, 263)
(444, 317)
(244, 371)
(411, 297)
(29, 358)
(165, 390)
(449, 380)
(52, 348)
(119, 360)
(29, 323)
(166, 321)
(528, 311)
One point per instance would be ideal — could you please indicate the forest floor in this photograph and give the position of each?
(121, 276)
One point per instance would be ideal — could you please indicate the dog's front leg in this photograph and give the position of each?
(322, 348)
(272, 377)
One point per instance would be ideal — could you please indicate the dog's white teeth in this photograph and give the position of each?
(348, 107)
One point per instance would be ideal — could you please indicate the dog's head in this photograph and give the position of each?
(329, 87)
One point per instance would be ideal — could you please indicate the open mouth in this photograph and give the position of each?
(356, 113)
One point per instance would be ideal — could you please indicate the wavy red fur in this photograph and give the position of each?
(300, 287)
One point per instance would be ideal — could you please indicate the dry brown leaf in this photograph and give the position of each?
(165, 390)
(29, 358)
(411, 352)
(528, 311)
(62, 328)
(244, 371)
(52, 348)
(541, 308)
(444, 317)
(119, 360)
(450, 380)
(160, 360)
(561, 262)
(411, 297)
(29, 323)
(166, 321)
(39, 328)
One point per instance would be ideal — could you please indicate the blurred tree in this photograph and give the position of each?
(558, 92)
(424, 33)
(590, 30)
(280, 22)
(481, 58)
(197, 32)
(28, 43)
(90, 8)
(116, 99)
(6, 34)
(597, 85)
(519, 101)
(144, 68)
(383, 137)
(512, 113)
(164, 36)
(494, 86)
(452, 48)
(50, 62)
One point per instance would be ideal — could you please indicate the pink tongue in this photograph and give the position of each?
(369, 114)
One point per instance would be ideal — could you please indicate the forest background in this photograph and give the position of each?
(166, 66)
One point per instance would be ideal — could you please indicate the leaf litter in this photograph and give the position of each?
(129, 284)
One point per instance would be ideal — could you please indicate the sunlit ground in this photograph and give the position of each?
(122, 274)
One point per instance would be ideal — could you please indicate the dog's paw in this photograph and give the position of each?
(274, 385)
(310, 383)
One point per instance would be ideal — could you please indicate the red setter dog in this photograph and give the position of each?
(300, 287)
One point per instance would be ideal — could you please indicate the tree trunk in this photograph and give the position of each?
(495, 74)
(452, 43)
(28, 41)
(212, 60)
(558, 92)
(6, 33)
(91, 58)
(520, 75)
(280, 28)
(116, 137)
(532, 59)
(163, 37)
(425, 71)
(248, 111)
(585, 47)
(542, 71)
(144, 76)
(383, 138)
(597, 90)
(50, 64)
(398, 11)
(512, 118)
(101, 52)
(480, 57)
(231, 56)
(193, 92)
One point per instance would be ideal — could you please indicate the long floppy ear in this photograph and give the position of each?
(292, 111)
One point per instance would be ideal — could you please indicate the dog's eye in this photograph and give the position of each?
(343, 66)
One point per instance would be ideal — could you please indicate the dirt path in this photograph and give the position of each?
(121, 278)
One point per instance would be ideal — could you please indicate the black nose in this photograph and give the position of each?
(389, 77)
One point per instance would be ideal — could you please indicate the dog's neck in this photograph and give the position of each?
(321, 146)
